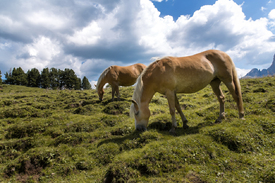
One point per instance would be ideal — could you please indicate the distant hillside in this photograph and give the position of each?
(260, 73)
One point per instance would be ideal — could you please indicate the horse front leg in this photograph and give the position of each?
(171, 101)
(113, 93)
(215, 84)
(183, 118)
(117, 92)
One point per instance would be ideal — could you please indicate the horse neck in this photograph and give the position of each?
(142, 96)
(145, 99)
(146, 96)
(102, 83)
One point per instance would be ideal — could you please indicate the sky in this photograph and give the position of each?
(91, 35)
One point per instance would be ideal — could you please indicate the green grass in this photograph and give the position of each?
(69, 136)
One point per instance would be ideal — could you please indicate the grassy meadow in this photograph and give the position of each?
(69, 136)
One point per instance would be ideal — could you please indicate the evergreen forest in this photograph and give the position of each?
(48, 79)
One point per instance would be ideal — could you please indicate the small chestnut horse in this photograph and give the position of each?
(118, 76)
(171, 75)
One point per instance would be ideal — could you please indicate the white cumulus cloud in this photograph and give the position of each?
(88, 36)
(271, 14)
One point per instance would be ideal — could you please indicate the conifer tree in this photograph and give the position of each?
(54, 78)
(45, 79)
(33, 77)
(69, 78)
(19, 77)
(77, 84)
(8, 78)
(86, 85)
(61, 78)
(14, 76)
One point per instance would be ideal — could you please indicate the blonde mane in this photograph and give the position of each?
(137, 94)
(103, 74)
(139, 88)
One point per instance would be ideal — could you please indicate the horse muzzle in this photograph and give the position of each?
(141, 128)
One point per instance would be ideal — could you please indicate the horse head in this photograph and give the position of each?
(141, 115)
(100, 94)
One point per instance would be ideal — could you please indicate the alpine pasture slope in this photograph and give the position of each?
(69, 136)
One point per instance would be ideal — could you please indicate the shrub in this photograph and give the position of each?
(161, 122)
(25, 130)
(271, 104)
(237, 138)
(72, 139)
(268, 174)
(18, 145)
(83, 127)
(116, 108)
(32, 162)
(141, 140)
(111, 120)
(159, 158)
(122, 131)
(105, 153)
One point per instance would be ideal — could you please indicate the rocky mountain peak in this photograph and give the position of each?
(260, 73)
(272, 67)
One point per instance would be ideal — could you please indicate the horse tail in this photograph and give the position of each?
(238, 91)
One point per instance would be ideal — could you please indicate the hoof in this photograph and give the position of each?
(173, 132)
(241, 115)
(185, 126)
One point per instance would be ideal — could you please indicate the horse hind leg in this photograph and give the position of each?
(183, 118)
(171, 101)
(113, 93)
(215, 84)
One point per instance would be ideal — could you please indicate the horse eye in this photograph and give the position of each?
(137, 113)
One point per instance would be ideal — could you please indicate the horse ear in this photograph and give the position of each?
(136, 107)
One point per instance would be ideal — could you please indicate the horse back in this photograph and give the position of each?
(124, 75)
(139, 67)
(223, 65)
(186, 74)
(211, 62)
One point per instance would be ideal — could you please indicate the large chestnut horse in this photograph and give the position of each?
(118, 76)
(171, 75)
